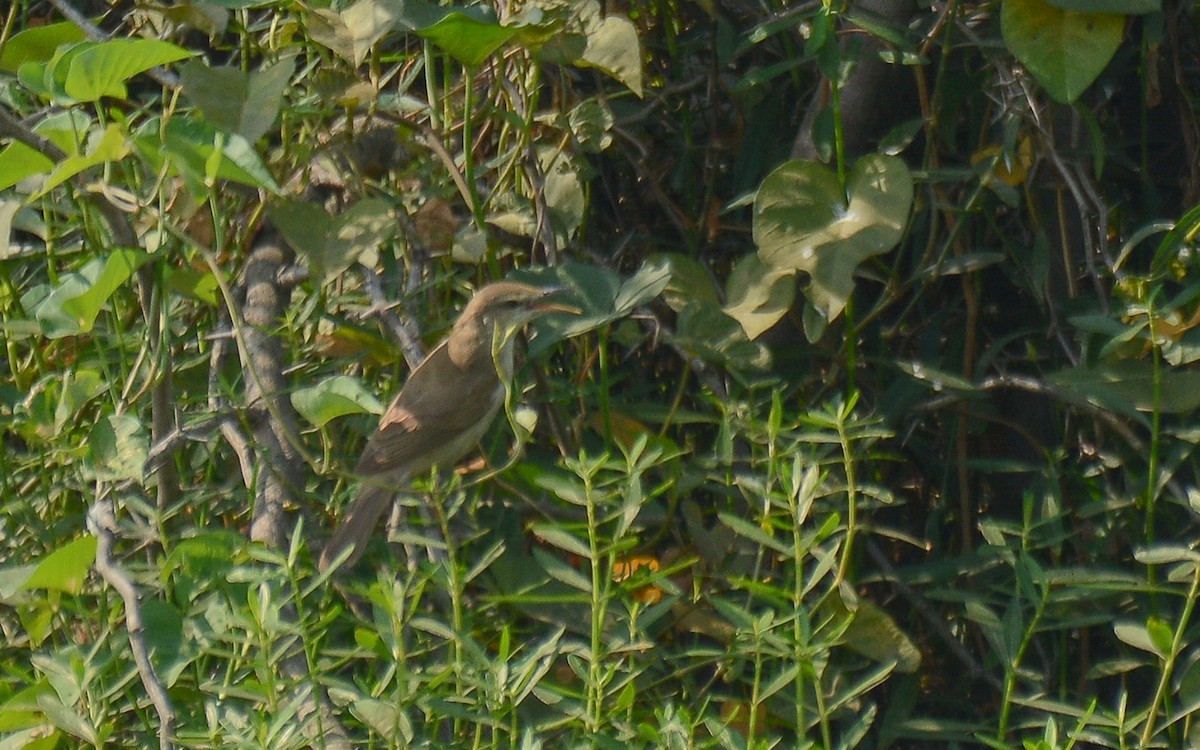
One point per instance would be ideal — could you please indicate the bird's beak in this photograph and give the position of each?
(544, 305)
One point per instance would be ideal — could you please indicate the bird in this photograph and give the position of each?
(443, 409)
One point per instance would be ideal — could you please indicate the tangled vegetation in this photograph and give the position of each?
(874, 428)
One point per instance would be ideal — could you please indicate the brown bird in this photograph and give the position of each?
(444, 408)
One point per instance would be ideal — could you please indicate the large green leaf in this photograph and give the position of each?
(102, 68)
(103, 146)
(600, 294)
(334, 397)
(804, 222)
(118, 267)
(613, 47)
(703, 330)
(353, 32)
(467, 36)
(72, 306)
(203, 153)
(38, 44)
(240, 102)
(18, 161)
(1064, 50)
(66, 568)
(331, 243)
(1128, 387)
(118, 447)
(758, 295)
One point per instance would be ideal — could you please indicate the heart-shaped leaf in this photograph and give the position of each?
(1064, 50)
(101, 69)
(759, 295)
(332, 398)
(804, 222)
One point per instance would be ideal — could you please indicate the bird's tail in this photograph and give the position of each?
(358, 526)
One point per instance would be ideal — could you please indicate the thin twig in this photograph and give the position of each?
(402, 327)
(102, 523)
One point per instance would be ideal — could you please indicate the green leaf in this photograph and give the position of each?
(334, 397)
(803, 222)
(193, 147)
(759, 295)
(601, 296)
(467, 36)
(71, 308)
(1128, 387)
(239, 102)
(66, 568)
(563, 189)
(206, 557)
(48, 78)
(1138, 636)
(558, 537)
(18, 161)
(165, 639)
(613, 47)
(102, 68)
(704, 330)
(118, 267)
(591, 123)
(331, 244)
(352, 33)
(691, 281)
(1161, 636)
(936, 379)
(874, 634)
(1125, 7)
(1063, 49)
(966, 263)
(754, 533)
(38, 44)
(562, 572)
(118, 447)
(50, 314)
(103, 146)
(199, 285)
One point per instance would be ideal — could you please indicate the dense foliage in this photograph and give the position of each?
(873, 430)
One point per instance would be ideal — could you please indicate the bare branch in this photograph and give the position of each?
(102, 523)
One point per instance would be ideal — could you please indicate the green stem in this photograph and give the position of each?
(1164, 677)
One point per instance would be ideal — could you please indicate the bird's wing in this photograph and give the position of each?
(420, 418)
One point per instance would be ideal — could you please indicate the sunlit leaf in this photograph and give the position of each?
(119, 266)
(38, 44)
(330, 244)
(118, 446)
(65, 569)
(353, 32)
(804, 222)
(103, 68)
(613, 47)
(102, 147)
(334, 397)
(18, 161)
(1064, 50)
(467, 36)
(759, 295)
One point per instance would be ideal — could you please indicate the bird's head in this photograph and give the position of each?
(497, 312)
(508, 305)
